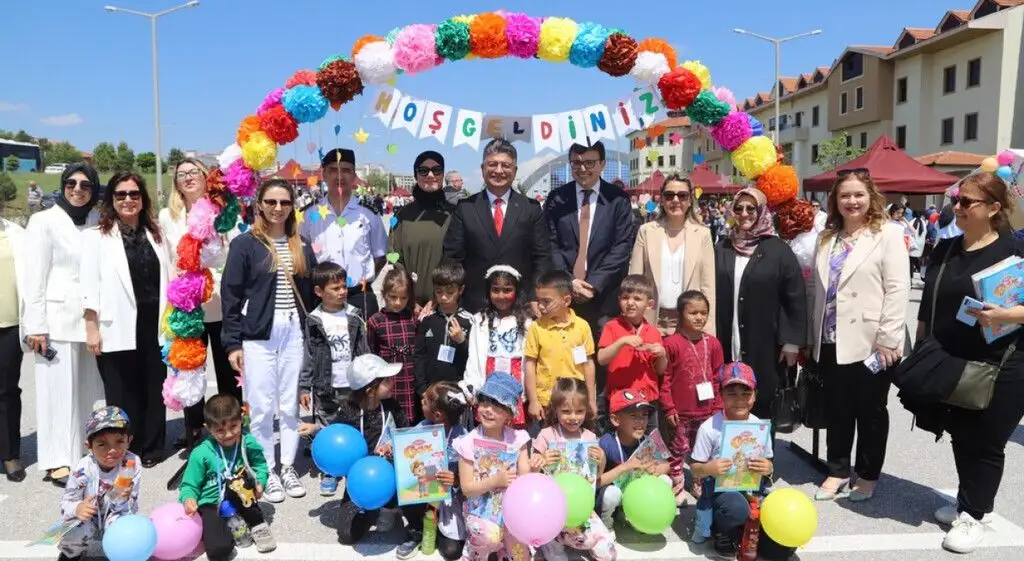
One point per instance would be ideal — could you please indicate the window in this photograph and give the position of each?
(661, 161)
(842, 103)
(814, 153)
(661, 140)
(863, 140)
(970, 127)
(974, 72)
(901, 137)
(649, 164)
(672, 160)
(771, 124)
(859, 98)
(815, 114)
(783, 122)
(849, 141)
(949, 80)
(853, 66)
(947, 131)
(798, 119)
(901, 90)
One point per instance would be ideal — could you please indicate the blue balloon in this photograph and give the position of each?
(336, 448)
(1004, 172)
(371, 482)
(130, 538)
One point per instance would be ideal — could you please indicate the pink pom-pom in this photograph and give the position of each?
(301, 78)
(523, 33)
(186, 292)
(724, 94)
(200, 219)
(167, 392)
(415, 50)
(732, 131)
(272, 99)
(1005, 158)
(240, 180)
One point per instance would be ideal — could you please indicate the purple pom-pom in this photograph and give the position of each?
(240, 180)
(732, 131)
(523, 34)
(755, 125)
(186, 292)
(415, 49)
(272, 99)
(167, 392)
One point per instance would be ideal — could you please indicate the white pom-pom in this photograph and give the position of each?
(229, 155)
(190, 386)
(803, 246)
(649, 67)
(375, 63)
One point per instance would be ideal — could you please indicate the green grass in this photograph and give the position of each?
(47, 182)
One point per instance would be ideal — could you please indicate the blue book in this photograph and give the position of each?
(1001, 284)
(967, 305)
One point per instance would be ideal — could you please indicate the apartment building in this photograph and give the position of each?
(660, 153)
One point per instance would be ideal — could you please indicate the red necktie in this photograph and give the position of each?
(499, 216)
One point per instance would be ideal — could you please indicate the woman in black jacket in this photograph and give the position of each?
(761, 298)
(265, 292)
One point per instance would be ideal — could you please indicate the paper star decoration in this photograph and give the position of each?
(652, 156)
(361, 136)
(675, 138)
(299, 219)
(314, 218)
(239, 380)
(324, 211)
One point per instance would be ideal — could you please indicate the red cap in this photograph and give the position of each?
(737, 373)
(624, 399)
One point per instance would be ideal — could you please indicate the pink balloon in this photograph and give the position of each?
(534, 509)
(177, 535)
(1005, 158)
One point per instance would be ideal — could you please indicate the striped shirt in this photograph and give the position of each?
(284, 298)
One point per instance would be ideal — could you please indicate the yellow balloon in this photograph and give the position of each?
(989, 164)
(789, 517)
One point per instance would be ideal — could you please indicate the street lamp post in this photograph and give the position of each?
(156, 83)
(778, 68)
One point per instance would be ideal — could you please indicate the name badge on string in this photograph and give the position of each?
(579, 354)
(705, 391)
(446, 353)
(503, 364)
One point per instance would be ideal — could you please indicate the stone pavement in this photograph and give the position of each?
(896, 525)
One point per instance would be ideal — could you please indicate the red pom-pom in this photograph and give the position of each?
(250, 124)
(794, 217)
(339, 81)
(279, 125)
(189, 249)
(619, 55)
(679, 88)
(779, 184)
(301, 78)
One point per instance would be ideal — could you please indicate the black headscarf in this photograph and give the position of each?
(79, 214)
(427, 206)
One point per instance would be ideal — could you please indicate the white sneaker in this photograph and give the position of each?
(948, 515)
(291, 482)
(274, 491)
(965, 536)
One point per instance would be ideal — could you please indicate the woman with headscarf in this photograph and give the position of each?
(418, 236)
(762, 303)
(67, 380)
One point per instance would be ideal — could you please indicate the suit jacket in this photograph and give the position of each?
(53, 297)
(17, 239)
(472, 240)
(107, 288)
(698, 263)
(872, 296)
(612, 233)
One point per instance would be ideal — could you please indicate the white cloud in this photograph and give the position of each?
(8, 106)
(68, 120)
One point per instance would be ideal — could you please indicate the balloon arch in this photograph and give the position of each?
(374, 60)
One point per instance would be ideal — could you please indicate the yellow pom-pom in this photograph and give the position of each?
(556, 37)
(165, 329)
(700, 71)
(259, 152)
(754, 156)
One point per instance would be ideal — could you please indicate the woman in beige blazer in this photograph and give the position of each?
(860, 287)
(675, 252)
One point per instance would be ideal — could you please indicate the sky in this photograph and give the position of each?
(78, 73)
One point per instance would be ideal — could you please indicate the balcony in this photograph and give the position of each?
(791, 133)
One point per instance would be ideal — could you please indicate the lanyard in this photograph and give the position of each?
(227, 470)
(447, 318)
(622, 455)
(703, 360)
(382, 419)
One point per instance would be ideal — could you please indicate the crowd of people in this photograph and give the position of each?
(502, 319)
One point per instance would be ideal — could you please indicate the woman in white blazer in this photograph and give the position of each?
(13, 261)
(189, 187)
(675, 252)
(124, 286)
(68, 384)
(860, 287)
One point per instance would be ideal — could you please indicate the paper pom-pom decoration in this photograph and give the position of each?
(804, 246)
(556, 38)
(707, 109)
(678, 88)
(208, 286)
(732, 131)
(188, 253)
(187, 354)
(167, 393)
(724, 94)
(451, 39)
(273, 98)
(523, 33)
(185, 293)
(364, 41)
(305, 103)
(392, 35)
(619, 55)
(228, 217)
(249, 125)
(487, 36)
(415, 50)
(259, 152)
(653, 45)
(279, 125)
(588, 48)
(756, 128)
(301, 78)
(339, 82)
(754, 157)
(189, 386)
(701, 72)
(230, 154)
(200, 219)
(792, 217)
(189, 324)
(651, 67)
(165, 332)
(376, 63)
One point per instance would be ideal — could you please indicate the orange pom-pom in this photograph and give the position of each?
(779, 184)
(654, 45)
(362, 42)
(189, 249)
(487, 36)
(187, 354)
(793, 218)
(208, 287)
(249, 125)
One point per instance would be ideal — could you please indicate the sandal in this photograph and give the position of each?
(59, 476)
(828, 493)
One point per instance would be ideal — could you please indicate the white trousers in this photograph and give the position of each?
(68, 389)
(272, 386)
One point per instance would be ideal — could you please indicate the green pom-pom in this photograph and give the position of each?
(707, 109)
(452, 39)
(228, 217)
(187, 325)
(619, 30)
(331, 59)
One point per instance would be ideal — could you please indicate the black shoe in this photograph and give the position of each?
(64, 557)
(725, 546)
(15, 471)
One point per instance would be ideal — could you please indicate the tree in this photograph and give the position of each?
(22, 136)
(836, 151)
(146, 162)
(174, 157)
(125, 158)
(61, 153)
(104, 156)
(12, 163)
(377, 181)
(8, 191)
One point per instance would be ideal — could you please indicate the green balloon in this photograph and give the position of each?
(579, 498)
(649, 504)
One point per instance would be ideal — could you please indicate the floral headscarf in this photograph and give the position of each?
(744, 242)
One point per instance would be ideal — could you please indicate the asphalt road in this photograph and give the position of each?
(896, 525)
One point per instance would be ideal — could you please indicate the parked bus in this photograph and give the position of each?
(29, 155)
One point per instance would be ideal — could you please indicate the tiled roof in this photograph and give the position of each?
(877, 49)
(920, 33)
(788, 84)
(962, 15)
(674, 122)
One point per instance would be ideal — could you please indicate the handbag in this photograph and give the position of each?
(786, 411)
(810, 391)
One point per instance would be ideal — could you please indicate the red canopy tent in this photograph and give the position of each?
(651, 185)
(892, 170)
(710, 183)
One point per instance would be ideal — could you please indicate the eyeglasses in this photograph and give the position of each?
(424, 171)
(965, 202)
(281, 203)
(83, 184)
(744, 209)
(122, 195)
(683, 196)
(499, 165)
(853, 171)
(189, 174)
(584, 164)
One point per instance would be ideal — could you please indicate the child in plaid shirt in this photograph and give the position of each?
(391, 334)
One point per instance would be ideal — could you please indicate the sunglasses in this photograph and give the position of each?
(122, 195)
(424, 171)
(683, 196)
(853, 171)
(965, 202)
(83, 184)
(744, 209)
(282, 203)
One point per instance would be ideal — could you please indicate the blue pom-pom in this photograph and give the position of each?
(164, 351)
(756, 125)
(588, 48)
(305, 103)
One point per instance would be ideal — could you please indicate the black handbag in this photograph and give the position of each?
(786, 411)
(810, 390)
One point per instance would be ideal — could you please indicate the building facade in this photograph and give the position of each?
(669, 152)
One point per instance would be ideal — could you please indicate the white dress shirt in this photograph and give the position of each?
(353, 242)
(741, 265)
(670, 285)
(596, 192)
(491, 197)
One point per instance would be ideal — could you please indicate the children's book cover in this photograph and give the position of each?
(1001, 284)
(488, 457)
(55, 533)
(387, 434)
(575, 458)
(742, 441)
(651, 449)
(420, 454)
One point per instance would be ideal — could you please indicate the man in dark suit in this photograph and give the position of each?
(497, 226)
